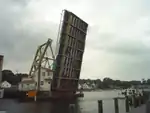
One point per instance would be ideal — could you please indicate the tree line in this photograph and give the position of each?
(107, 83)
(14, 79)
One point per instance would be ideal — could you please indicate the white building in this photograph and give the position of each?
(85, 86)
(79, 86)
(5, 84)
(27, 84)
(46, 77)
(93, 85)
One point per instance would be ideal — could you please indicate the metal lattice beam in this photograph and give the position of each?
(42, 60)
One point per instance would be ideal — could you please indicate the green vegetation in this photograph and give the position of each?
(106, 83)
(14, 79)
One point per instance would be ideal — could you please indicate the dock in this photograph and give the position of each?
(145, 108)
(140, 109)
(133, 104)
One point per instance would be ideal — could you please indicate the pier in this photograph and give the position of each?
(140, 109)
(132, 104)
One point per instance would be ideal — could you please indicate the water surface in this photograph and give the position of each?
(88, 104)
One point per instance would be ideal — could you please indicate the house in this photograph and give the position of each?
(85, 86)
(27, 84)
(5, 84)
(46, 77)
(93, 85)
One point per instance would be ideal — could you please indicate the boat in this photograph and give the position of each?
(131, 91)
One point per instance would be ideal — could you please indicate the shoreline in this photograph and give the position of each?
(93, 90)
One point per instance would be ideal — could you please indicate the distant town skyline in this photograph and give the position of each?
(118, 39)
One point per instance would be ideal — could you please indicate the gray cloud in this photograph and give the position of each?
(118, 40)
(19, 40)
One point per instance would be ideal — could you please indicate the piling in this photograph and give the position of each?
(100, 106)
(116, 105)
(127, 104)
(1, 93)
(148, 107)
(71, 108)
(140, 99)
(134, 101)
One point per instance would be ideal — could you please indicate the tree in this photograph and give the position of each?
(125, 84)
(148, 81)
(143, 81)
(134, 82)
(9, 76)
(98, 83)
(107, 82)
(117, 83)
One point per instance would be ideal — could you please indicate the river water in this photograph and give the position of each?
(88, 104)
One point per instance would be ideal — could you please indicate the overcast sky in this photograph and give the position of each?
(118, 39)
